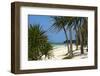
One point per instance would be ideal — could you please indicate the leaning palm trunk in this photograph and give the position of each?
(66, 38)
(70, 52)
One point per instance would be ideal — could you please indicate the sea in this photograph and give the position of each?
(57, 44)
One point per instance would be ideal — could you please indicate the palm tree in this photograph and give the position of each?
(38, 44)
(80, 25)
(75, 27)
(69, 27)
(59, 23)
(84, 34)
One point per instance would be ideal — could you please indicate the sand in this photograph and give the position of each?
(58, 53)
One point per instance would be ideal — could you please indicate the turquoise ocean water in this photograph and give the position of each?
(56, 45)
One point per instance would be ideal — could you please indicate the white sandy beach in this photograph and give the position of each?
(58, 53)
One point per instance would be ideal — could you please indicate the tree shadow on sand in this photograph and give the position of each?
(77, 53)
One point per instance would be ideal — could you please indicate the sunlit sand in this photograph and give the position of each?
(59, 52)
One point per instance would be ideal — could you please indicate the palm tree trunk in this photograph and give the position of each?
(71, 49)
(81, 41)
(70, 39)
(66, 38)
(76, 39)
(82, 51)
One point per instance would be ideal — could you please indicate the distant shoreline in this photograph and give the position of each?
(73, 41)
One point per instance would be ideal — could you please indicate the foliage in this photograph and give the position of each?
(79, 24)
(62, 23)
(38, 44)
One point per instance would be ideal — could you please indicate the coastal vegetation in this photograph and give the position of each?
(79, 24)
(39, 45)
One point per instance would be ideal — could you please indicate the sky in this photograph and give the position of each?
(46, 23)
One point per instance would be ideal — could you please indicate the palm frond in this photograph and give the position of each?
(37, 42)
